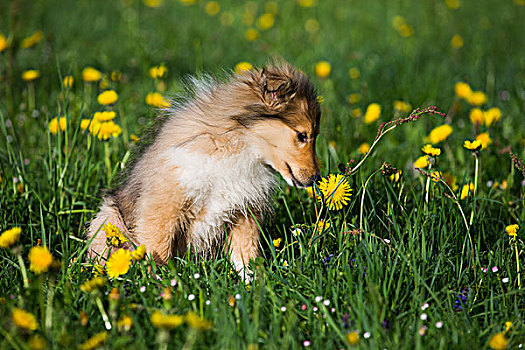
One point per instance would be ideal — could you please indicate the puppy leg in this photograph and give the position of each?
(160, 225)
(243, 241)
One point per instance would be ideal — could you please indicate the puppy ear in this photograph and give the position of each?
(277, 89)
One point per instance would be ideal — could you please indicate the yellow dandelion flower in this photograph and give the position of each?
(354, 73)
(138, 254)
(406, 30)
(95, 341)
(310, 191)
(114, 236)
(466, 190)
(356, 112)
(32, 40)
(477, 98)
(512, 230)
(68, 81)
(57, 124)
(85, 123)
(440, 133)
(508, 325)
(24, 319)
(155, 99)
(125, 323)
(159, 320)
(37, 342)
(402, 106)
(373, 111)
(485, 139)
(10, 237)
(311, 25)
(323, 226)
(158, 72)
(104, 116)
(91, 75)
(431, 151)
(116, 75)
(93, 284)
(492, 116)
(395, 177)
(40, 259)
(3, 42)
(307, 3)
(30, 75)
(118, 263)
(266, 21)
(354, 98)
(436, 176)
(364, 148)
(134, 138)
(197, 322)
(457, 41)
(152, 3)
(453, 4)
(107, 97)
(323, 69)
(498, 341)
(472, 145)
(397, 22)
(476, 116)
(212, 8)
(462, 90)
(353, 337)
(251, 34)
(277, 242)
(104, 130)
(336, 191)
(421, 162)
(243, 67)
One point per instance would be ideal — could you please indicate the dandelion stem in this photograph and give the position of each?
(475, 188)
(105, 317)
(107, 160)
(517, 263)
(23, 270)
(427, 187)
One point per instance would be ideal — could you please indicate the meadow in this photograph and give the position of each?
(420, 245)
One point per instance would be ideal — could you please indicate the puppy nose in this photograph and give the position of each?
(316, 178)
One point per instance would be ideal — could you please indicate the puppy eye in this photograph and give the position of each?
(302, 137)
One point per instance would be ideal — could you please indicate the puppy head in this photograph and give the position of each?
(283, 123)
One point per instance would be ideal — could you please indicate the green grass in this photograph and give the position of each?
(410, 251)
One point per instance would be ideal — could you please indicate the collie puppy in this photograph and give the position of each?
(206, 180)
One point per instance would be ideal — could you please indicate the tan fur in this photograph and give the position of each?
(209, 168)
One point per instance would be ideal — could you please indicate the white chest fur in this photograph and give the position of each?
(218, 187)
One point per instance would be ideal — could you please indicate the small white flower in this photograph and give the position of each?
(424, 306)
(318, 299)
(173, 282)
(332, 310)
(495, 269)
(208, 302)
(387, 241)
(439, 324)
(298, 232)
(283, 308)
(315, 309)
(505, 280)
(423, 316)
(366, 335)
(196, 276)
(326, 302)
(238, 296)
(142, 289)
(306, 343)
(191, 297)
